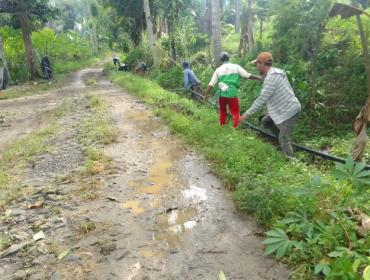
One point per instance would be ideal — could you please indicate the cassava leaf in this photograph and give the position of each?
(358, 168)
(350, 163)
(339, 175)
(273, 247)
(272, 240)
(291, 220)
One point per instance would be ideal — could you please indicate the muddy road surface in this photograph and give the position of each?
(160, 213)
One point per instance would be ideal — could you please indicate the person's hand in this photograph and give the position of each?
(260, 78)
(205, 99)
(242, 118)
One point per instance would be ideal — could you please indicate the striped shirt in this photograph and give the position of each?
(279, 96)
(229, 74)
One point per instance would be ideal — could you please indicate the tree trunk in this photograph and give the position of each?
(170, 22)
(216, 30)
(250, 26)
(207, 18)
(261, 27)
(3, 58)
(237, 16)
(364, 48)
(149, 31)
(32, 68)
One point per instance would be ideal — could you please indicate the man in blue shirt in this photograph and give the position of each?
(191, 80)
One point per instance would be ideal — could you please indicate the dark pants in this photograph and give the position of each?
(283, 133)
(116, 61)
(195, 88)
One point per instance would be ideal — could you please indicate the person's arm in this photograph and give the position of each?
(211, 85)
(209, 88)
(247, 75)
(186, 79)
(267, 91)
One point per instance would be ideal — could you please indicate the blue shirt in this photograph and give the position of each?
(190, 78)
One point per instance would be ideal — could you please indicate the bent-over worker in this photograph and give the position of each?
(282, 105)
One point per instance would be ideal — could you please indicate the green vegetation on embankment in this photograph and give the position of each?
(293, 200)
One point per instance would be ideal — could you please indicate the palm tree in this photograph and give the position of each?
(149, 31)
(3, 58)
(216, 29)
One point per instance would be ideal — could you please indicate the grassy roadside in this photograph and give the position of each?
(94, 132)
(40, 86)
(287, 196)
(18, 156)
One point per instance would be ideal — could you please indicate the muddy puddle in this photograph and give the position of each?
(162, 177)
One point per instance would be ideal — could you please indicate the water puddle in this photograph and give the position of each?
(173, 224)
(134, 205)
(162, 175)
(195, 194)
(147, 254)
(139, 116)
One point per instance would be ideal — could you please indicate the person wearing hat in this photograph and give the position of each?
(282, 105)
(228, 77)
(190, 79)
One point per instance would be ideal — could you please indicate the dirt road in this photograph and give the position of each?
(161, 214)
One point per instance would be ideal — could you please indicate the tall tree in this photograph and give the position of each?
(3, 58)
(24, 9)
(150, 34)
(247, 36)
(216, 29)
(364, 44)
(237, 16)
(207, 18)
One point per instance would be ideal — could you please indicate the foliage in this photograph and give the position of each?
(326, 227)
(65, 51)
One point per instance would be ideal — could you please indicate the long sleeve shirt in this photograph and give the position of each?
(190, 78)
(279, 96)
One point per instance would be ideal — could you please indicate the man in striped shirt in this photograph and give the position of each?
(228, 77)
(282, 105)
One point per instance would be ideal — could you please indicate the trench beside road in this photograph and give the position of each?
(160, 213)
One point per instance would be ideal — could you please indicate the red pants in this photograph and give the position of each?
(233, 107)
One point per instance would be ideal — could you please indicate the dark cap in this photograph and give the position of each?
(224, 55)
(185, 64)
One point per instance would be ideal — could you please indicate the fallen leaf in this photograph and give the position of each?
(37, 205)
(112, 198)
(99, 167)
(63, 255)
(39, 235)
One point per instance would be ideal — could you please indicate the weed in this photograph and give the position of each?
(87, 226)
(56, 210)
(53, 248)
(90, 81)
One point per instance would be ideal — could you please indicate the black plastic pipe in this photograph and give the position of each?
(302, 148)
